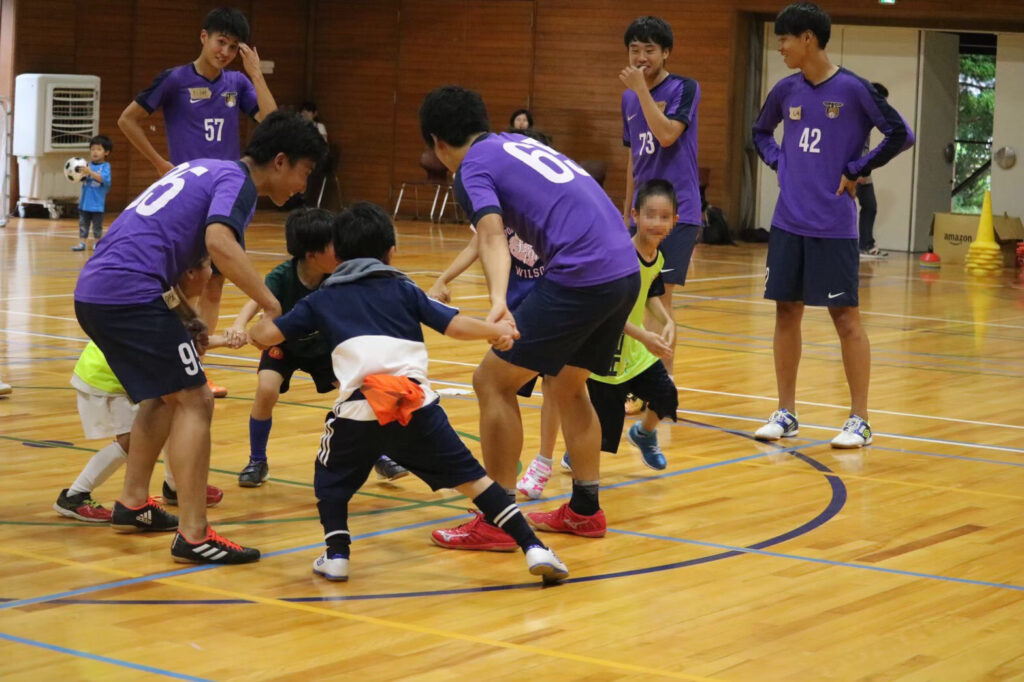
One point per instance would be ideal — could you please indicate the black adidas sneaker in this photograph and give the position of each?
(149, 517)
(213, 549)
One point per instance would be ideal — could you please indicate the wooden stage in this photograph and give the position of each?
(742, 562)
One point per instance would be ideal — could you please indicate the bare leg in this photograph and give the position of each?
(190, 456)
(149, 433)
(501, 427)
(209, 302)
(268, 390)
(787, 346)
(666, 300)
(579, 421)
(856, 356)
(650, 420)
(550, 423)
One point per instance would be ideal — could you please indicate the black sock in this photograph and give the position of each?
(334, 518)
(505, 514)
(584, 498)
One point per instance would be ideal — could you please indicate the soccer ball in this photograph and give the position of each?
(71, 167)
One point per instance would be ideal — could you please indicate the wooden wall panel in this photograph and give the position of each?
(374, 61)
(356, 45)
(484, 45)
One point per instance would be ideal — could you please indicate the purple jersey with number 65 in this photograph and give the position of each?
(163, 232)
(553, 205)
(824, 129)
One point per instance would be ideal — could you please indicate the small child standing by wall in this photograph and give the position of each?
(95, 186)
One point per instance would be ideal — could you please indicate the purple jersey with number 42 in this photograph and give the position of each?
(162, 233)
(823, 135)
(201, 115)
(553, 205)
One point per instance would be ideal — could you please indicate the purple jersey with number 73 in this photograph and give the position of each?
(552, 203)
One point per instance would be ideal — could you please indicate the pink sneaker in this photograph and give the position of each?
(565, 520)
(475, 534)
(534, 479)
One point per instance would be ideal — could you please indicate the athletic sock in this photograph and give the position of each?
(99, 469)
(544, 460)
(584, 498)
(334, 519)
(259, 434)
(505, 514)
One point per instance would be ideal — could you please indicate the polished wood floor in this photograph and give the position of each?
(741, 562)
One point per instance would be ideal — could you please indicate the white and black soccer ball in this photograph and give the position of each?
(72, 169)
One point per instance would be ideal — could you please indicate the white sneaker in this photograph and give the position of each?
(782, 424)
(534, 479)
(333, 569)
(5, 388)
(856, 433)
(543, 562)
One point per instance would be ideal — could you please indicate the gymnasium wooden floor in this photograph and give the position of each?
(741, 562)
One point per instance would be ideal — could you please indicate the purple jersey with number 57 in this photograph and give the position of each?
(824, 129)
(553, 205)
(162, 233)
(201, 115)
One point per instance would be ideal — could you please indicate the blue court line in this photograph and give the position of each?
(386, 531)
(101, 659)
(828, 562)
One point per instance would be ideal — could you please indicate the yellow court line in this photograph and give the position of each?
(369, 620)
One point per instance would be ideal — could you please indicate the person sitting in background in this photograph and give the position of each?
(521, 119)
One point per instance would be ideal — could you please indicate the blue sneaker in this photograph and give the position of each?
(650, 452)
(566, 464)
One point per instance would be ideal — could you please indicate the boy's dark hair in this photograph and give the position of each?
(308, 106)
(103, 141)
(515, 115)
(363, 230)
(656, 188)
(287, 132)
(881, 90)
(452, 113)
(229, 21)
(308, 229)
(648, 29)
(794, 19)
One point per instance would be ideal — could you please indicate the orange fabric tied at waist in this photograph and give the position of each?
(392, 398)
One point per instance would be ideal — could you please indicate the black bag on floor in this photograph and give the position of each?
(716, 231)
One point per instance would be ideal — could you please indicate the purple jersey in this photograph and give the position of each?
(552, 203)
(201, 116)
(822, 139)
(163, 232)
(678, 98)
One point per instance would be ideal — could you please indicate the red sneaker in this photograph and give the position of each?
(81, 506)
(217, 391)
(565, 520)
(213, 495)
(475, 534)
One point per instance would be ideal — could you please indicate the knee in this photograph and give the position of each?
(789, 312)
(198, 400)
(846, 321)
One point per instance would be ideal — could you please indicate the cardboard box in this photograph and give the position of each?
(952, 234)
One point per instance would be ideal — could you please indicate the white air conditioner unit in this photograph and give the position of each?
(55, 115)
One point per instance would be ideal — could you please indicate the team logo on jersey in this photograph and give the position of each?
(661, 106)
(795, 113)
(230, 99)
(198, 94)
(832, 109)
(522, 251)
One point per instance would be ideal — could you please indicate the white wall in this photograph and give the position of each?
(1008, 185)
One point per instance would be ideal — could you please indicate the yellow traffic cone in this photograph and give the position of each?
(984, 256)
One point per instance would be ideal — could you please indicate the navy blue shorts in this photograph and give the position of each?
(653, 386)
(815, 270)
(428, 447)
(285, 362)
(561, 326)
(678, 249)
(146, 346)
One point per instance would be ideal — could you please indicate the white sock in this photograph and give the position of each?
(99, 469)
(544, 460)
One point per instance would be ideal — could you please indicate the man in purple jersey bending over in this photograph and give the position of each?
(127, 302)
(813, 257)
(571, 320)
(201, 102)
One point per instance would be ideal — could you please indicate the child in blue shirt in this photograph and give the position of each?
(95, 186)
